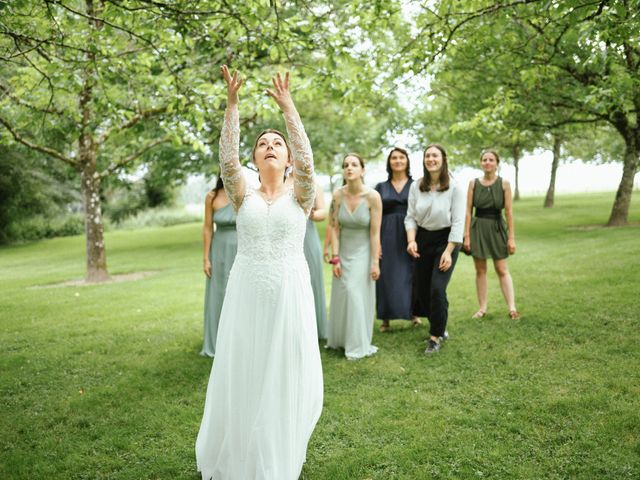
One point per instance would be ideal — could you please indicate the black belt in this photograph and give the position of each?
(488, 213)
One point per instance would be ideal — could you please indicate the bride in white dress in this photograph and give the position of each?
(265, 390)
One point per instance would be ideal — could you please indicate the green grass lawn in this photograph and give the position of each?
(105, 382)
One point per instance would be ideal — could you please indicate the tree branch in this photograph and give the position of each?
(39, 148)
(133, 34)
(130, 123)
(167, 7)
(568, 121)
(129, 159)
(468, 17)
(24, 103)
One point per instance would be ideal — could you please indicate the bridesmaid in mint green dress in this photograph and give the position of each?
(355, 217)
(219, 254)
(313, 254)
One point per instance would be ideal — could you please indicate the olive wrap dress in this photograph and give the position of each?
(488, 233)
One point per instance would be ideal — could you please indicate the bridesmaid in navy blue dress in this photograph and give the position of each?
(393, 289)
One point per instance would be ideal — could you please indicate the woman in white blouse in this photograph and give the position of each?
(435, 226)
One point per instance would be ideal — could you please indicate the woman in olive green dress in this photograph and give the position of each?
(487, 235)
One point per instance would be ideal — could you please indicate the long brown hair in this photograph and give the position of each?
(216, 189)
(425, 183)
(406, 155)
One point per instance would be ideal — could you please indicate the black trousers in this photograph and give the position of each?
(429, 283)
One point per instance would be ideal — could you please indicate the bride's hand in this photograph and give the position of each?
(233, 84)
(280, 92)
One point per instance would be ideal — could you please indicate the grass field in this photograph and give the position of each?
(105, 381)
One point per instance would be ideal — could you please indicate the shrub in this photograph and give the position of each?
(159, 217)
(40, 226)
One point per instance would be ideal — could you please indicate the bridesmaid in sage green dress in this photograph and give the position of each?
(218, 259)
(355, 217)
(313, 254)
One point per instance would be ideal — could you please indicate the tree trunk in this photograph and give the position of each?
(94, 229)
(620, 211)
(551, 191)
(515, 150)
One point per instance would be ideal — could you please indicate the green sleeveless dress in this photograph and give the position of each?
(353, 295)
(488, 227)
(222, 254)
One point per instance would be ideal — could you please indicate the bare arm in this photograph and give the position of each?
(456, 236)
(375, 206)
(230, 168)
(410, 224)
(319, 211)
(207, 234)
(508, 212)
(467, 218)
(326, 254)
(335, 232)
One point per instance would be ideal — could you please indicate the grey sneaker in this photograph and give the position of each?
(432, 347)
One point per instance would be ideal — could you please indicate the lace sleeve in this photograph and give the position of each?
(303, 174)
(230, 167)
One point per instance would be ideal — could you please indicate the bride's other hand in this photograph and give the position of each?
(233, 84)
(281, 93)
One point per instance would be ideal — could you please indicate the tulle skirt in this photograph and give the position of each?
(265, 390)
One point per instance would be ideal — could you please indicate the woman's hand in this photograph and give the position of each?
(511, 246)
(375, 271)
(280, 92)
(337, 271)
(412, 249)
(233, 84)
(207, 268)
(466, 244)
(445, 261)
(326, 255)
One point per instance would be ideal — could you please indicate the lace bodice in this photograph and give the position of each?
(270, 241)
(231, 170)
(271, 233)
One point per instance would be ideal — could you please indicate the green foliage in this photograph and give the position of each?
(105, 381)
(37, 227)
(36, 192)
(158, 217)
(513, 73)
(124, 201)
(112, 87)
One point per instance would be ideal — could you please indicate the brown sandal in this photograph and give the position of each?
(385, 328)
(479, 314)
(416, 321)
(514, 315)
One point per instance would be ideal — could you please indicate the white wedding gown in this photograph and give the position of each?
(265, 390)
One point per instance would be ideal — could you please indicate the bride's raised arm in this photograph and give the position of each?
(303, 174)
(230, 168)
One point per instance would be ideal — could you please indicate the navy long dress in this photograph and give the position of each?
(393, 288)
